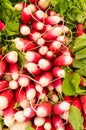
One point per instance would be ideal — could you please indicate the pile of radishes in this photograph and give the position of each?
(30, 95)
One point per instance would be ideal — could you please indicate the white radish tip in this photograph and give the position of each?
(3, 102)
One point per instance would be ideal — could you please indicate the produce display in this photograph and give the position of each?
(42, 65)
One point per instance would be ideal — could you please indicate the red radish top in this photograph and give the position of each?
(11, 57)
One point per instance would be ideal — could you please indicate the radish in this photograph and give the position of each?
(14, 70)
(38, 128)
(20, 96)
(25, 16)
(65, 116)
(39, 15)
(54, 97)
(45, 79)
(53, 20)
(11, 57)
(51, 12)
(37, 26)
(30, 92)
(33, 68)
(44, 109)
(44, 64)
(40, 41)
(29, 112)
(23, 80)
(69, 127)
(20, 126)
(38, 88)
(13, 84)
(20, 6)
(24, 44)
(31, 8)
(3, 85)
(80, 29)
(9, 114)
(47, 27)
(61, 107)
(3, 66)
(34, 1)
(63, 60)
(47, 124)
(2, 26)
(55, 46)
(43, 50)
(58, 85)
(42, 95)
(58, 72)
(49, 55)
(34, 35)
(32, 56)
(83, 102)
(19, 116)
(76, 102)
(53, 33)
(58, 122)
(43, 4)
(39, 121)
(68, 99)
(5, 99)
(24, 30)
(50, 87)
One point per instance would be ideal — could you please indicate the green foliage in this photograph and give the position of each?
(29, 128)
(70, 85)
(76, 118)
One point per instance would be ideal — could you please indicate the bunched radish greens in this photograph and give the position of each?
(40, 87)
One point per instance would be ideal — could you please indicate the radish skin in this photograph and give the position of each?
(20, 126)
(25, 16)
(39, 121)
(9, 114)
(60, 108)
(44, 64)
(5, 98)
(45, 79)
(44, 109)
(11, 57)
(32, 56)
(29, 112)
(14, 70)
(58, 123)
(3, 84)
(24, 30)
(23, 81)
(58, 72)
(43, 4)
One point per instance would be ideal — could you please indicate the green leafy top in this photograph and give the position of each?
(76, 118)
(73, 11)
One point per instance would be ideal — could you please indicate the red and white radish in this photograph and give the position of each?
(5, 99)
(23, 80)
(32, 56)
(11, 57)
(58, 72)
(44, 109)
(45, 79)
(44, 64)
(61, 107)
(3, 85)
(33, 68)
(9, 114)
(14, 71)
(24, 30)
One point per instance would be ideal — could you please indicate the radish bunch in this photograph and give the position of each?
(32, 93)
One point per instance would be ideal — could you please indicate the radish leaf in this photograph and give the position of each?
(76, 118)
(29, 128)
